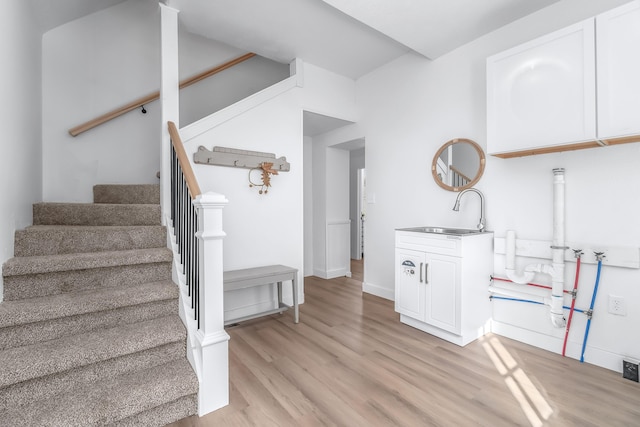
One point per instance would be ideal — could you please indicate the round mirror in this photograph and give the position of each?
(458, 164)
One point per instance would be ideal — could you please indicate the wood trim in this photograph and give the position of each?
(547, 150)
(113, 114)
(622, 140)
(215, 70)
(187, 170)
(75, 131)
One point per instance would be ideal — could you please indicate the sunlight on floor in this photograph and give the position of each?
(533, 404)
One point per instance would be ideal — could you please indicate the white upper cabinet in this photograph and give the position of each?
(541, 96)
(618, 47)
(541, 93)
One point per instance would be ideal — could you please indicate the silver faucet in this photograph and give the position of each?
(456, 207)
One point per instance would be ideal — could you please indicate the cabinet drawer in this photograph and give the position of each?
(427, 242)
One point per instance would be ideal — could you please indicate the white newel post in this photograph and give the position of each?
(169, 97)
(212, 340)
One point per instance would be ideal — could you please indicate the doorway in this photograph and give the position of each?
(333, 221)
(361, 195)
(357, 194)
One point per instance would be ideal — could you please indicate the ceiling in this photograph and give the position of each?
(435, 27)
(317, 124)
(348, 37)
(51, 14)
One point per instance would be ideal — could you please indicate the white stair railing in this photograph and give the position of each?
(195, 226)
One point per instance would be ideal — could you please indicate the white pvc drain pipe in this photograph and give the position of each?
(556, 269)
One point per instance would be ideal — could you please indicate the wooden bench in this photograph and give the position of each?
(257, 276)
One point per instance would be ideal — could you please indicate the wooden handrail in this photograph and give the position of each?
(187, 170)
(208, 73)
(155, 95)
(460, 173)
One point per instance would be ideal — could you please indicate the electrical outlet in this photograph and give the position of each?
(617, 305)
(630, 369)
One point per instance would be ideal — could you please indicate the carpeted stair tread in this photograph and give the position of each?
(163, 415)
(54, 356)
(20, 266)
(127, 193)
(31, 333)
(89, 326)
(25, 392)
(95, 214)
(64, 239)
(41, 309)
(110, 401)
(37, 285)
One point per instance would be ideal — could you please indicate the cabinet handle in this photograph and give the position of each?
(426, 273)
(421, 271)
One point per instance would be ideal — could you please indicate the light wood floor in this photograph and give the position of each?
(350, 362)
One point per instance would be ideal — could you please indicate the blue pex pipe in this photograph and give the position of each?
(593, 300)
(517, 299)
(533, 302)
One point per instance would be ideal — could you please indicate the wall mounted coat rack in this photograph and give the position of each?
(223, 156)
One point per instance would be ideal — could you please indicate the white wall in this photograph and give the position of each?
(308, 205)
(412, 106)
(227, 87)
(331, 95)
(268, 228)
(356, 161)
(337, 225)
(20, 85)
(261, 229)
(107, 59)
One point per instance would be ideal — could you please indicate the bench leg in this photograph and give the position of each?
(296, 314)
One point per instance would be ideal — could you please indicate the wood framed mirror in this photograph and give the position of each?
(458, 164)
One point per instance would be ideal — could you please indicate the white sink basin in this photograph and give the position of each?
(443, 230)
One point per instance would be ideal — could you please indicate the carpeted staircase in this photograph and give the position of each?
(89, 326)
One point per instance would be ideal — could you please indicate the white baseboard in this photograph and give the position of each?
(331, 274)
(341, 272)
(592, 355)
(320, 273)
(378, 291)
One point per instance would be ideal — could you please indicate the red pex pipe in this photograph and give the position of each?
(528, 284)
(573, 304)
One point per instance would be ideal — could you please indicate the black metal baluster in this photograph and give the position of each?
(179, 218)
(184, 218)
(189, 253)
(183, 222)
(173, 187)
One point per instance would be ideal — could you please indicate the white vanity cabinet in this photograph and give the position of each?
(441, 283)
(574, 88)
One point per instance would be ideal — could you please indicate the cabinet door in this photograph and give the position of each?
(618, 65)
(542, 93)
(443, 292)
(410, 288)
